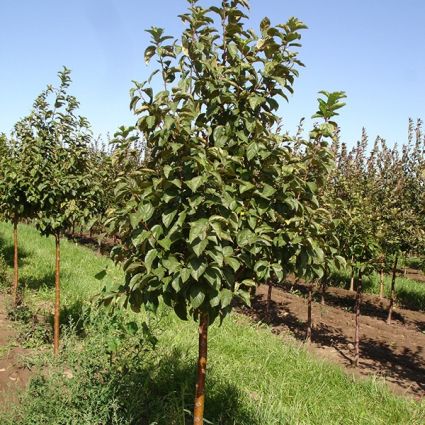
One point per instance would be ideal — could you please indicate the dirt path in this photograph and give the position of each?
(13, 374)
(395, 352)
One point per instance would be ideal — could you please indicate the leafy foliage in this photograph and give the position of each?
(223, 199)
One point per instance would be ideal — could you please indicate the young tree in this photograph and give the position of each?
(62, 179)
(15, 191)
(218, 201)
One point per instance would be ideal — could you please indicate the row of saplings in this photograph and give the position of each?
(357, 275)
(223, 199)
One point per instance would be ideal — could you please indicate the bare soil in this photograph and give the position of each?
(413, 274)
(13, 374)
(393, 352)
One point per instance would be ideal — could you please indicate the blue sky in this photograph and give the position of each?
(374, 50)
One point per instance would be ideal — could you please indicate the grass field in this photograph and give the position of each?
(109, 373)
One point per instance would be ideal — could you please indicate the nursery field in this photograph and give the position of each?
(205, 263)
(108, 374)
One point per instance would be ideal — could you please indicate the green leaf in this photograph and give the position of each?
(149, 52)
(199, 246)
(246, 237)
(232, 262)
(171, 264)
(194, 183)
(219, 136)
(196, 296)
(149, 258)
(167, 218)
(226, 296)
(197, 268)
(252, 150)
(198, 229)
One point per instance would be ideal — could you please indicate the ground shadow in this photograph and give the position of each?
(400, 368)
(36, 283)
(72, 318)
(7, 252)
(98, 244)
(169, 394)
(146, 391)
(346, 301)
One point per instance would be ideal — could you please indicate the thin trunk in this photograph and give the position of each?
(323, 287)
(309, 313)
(357, 334)
(352, 281)
(57, 297)
(381, 283)
(15, 263)
(392, 296)
(198, 411)
(253, 292)
(269, 299)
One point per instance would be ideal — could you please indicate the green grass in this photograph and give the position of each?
(409, 293)
(106, 375)
(416, 263)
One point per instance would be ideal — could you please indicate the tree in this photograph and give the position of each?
(15, 191)
(218, 202)
(61, 175)
(399, 190)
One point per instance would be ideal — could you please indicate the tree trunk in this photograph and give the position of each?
(392, 296)
(381, 283)
(357, 333)
(405, 266)
(253, 292)
(309, 313)
(352, 281)
(323, 287)
(269, 299)
(198, 411)
(57, 297)
(352, 276)
(15, 263)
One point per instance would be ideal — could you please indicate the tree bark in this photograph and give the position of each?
(352, 281)
(352, 276)
(323, 288)
(392, 296)
(381, 283)
(405, 266)
(269, 299)
(357, 333)
(15, 263)
(198, 412)
(56, 329)
(309, 313)
(253, 292)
